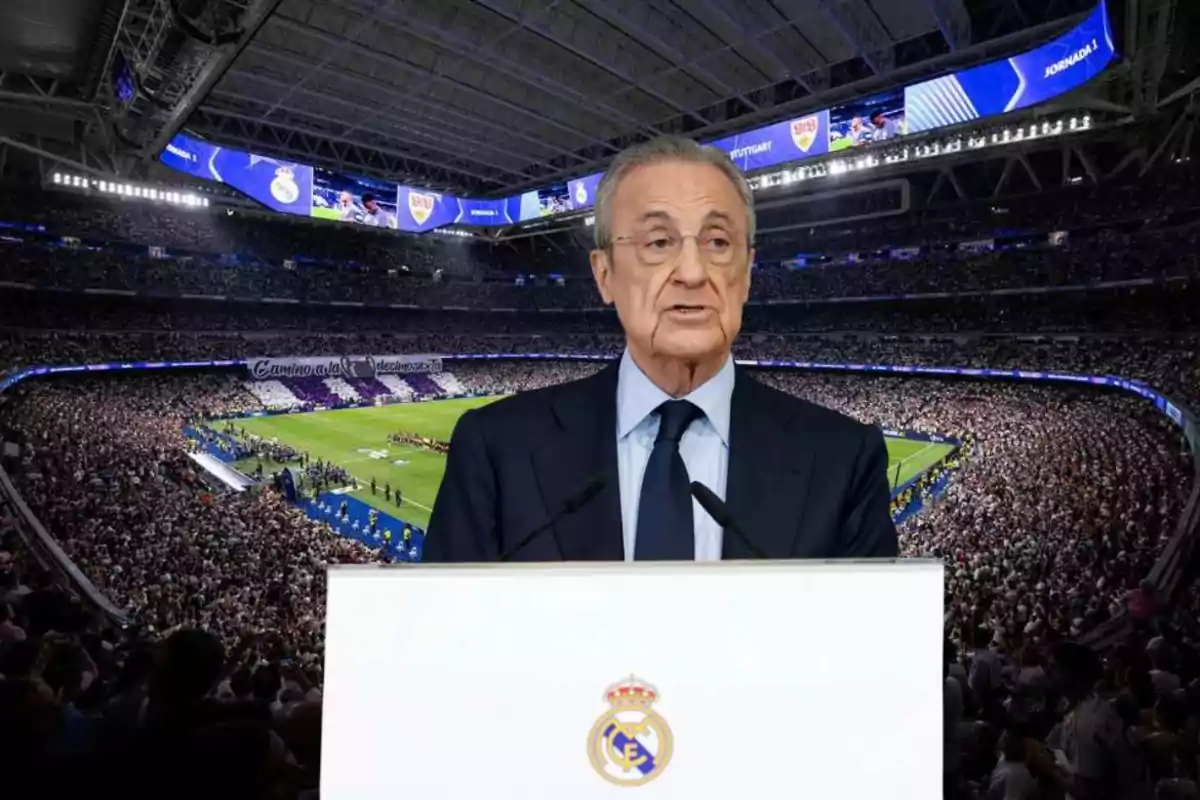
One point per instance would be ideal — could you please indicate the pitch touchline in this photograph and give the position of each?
(904, 461)
(407, 499)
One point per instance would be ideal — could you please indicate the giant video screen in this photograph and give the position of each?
(1021, 81)
(874, 119)
(363, 201)
(279, 185)
(998, 87)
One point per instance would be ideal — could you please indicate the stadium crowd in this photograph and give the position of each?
(1052, 517)
(1171, 363)
(1056, 516)
(1104, 257)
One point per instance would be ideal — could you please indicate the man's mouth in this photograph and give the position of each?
(683, 308)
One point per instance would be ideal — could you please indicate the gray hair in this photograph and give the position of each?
(665, 148)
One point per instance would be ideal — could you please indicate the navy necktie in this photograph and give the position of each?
(664, 529)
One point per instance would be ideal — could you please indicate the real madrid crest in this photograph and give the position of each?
(284, 188)
(630, 744)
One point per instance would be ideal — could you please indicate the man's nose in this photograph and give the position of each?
(689, 267)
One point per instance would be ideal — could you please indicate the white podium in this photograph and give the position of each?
(580, 681)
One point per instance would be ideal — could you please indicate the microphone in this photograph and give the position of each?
(717, 509)
(574, 502)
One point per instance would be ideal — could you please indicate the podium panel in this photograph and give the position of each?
(734, 679)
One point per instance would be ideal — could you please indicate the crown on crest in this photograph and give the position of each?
(631, 693)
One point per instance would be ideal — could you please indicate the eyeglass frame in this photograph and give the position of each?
(734, 237)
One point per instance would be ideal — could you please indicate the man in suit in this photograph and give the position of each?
(674, 242)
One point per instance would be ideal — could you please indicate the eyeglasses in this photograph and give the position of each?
(654, 248)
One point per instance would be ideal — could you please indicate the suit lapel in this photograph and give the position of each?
(583, 446)
(768, 473)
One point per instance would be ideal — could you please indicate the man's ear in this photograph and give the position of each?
(602, 271)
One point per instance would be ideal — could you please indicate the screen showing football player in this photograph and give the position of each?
(374, 215)
(883, 127)
(347, 209)
(858, 132)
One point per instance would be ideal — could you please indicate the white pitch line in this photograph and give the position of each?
(407, 500)
(904, 461)
(419, 505)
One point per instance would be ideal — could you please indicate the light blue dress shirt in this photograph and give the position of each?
(704, 447)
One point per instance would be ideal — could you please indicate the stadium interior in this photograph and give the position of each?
(257, 257)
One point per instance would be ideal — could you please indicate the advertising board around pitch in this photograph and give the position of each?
(734, 679)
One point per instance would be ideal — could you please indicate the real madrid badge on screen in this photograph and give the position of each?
(284, 188)
(630, 744)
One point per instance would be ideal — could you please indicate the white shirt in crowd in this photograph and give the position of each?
(1011, 780)
(1097, 747)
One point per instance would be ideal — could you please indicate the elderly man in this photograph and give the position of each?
(674, 243)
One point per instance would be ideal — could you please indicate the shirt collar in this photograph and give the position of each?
(638, 397)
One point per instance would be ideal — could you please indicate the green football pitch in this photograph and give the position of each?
(358, 440)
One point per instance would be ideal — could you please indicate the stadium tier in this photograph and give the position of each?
(245, 307)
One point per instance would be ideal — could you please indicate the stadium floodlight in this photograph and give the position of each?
(58, 177)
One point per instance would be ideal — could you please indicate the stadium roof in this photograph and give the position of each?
(476, 96)
(48, 38)
(493, 96)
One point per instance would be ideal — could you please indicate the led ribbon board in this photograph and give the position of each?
(998, 87)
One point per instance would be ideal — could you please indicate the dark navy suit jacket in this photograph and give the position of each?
(803, 481)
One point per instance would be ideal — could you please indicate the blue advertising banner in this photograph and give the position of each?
(279, 185)
(482, 212)
(790, 140)
(1024, 80)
